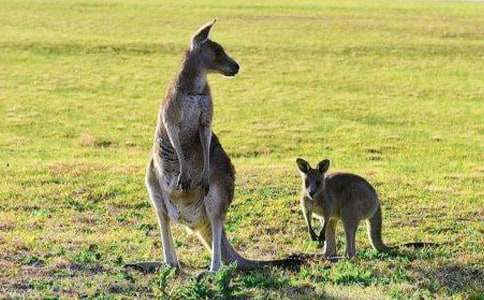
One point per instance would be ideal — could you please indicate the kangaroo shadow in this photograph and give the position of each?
(294, 261)
(269, 278)
(456, 277)
(265, 278)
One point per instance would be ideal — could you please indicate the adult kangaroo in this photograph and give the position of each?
(190, 178)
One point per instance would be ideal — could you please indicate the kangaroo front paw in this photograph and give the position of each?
(314, 236)
(321, 238)
(183, 182)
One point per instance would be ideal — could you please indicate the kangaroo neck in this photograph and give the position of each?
(322, 193)
(192, 78)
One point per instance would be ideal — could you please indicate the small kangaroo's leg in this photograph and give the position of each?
(350, 226)
(322, 233)
(330, 234)
(308, 216)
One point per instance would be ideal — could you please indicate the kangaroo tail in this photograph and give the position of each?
(230, 255)
(374, 231)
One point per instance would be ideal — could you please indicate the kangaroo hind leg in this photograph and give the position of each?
(157, 200)
(350, 226)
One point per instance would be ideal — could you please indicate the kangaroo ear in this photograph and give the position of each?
(323, 166)
(303, 165)
(202, 34)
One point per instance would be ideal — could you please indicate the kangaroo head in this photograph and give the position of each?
(313, 179)
(210, 54)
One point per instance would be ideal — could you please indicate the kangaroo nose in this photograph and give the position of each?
(236, 69)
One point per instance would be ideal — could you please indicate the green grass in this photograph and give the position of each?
(390, 90)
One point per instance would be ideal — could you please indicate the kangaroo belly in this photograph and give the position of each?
(184, 207)
(191, 215)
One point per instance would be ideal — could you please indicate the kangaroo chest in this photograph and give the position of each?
(325, 205)
(186, 208)
(195, 109)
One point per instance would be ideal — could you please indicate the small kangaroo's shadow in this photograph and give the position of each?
(396, 251)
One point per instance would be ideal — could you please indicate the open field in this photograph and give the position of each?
(390, 90)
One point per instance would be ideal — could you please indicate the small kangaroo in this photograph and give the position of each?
(190, 178)
(336, 196)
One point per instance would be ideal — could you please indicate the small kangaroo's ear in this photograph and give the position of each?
(303, 165)
(323, 166)
(202, 34)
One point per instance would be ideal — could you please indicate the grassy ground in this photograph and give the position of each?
(390, 90)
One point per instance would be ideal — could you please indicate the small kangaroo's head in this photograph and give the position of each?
(313, 179)
(210, 54)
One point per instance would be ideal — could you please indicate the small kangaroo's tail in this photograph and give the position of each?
(230, 255)
(374, 231)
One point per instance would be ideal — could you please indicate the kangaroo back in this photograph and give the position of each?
(374, 231)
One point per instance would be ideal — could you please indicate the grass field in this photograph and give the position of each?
(390, 90)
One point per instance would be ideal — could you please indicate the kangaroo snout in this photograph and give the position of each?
(236, 69)
(232, 69)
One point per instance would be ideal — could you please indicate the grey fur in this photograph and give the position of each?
(339, 196)
(190, 178)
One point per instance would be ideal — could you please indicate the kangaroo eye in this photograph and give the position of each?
(219, 52)
(306, 182)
